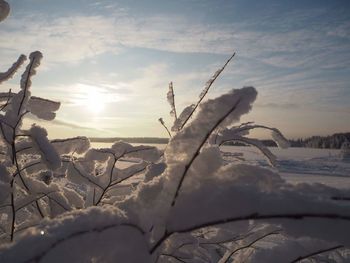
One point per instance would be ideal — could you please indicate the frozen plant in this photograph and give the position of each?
(62, 201)
(223, 133)
(28, 158)
(31, 165)
(189, 205)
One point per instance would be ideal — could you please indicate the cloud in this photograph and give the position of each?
(67, 39)
(58, 122)
(74, 38)
(291, 57)
(292, 106)
(72, 125)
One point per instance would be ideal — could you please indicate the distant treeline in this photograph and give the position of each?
(334, 141)
(152, 140)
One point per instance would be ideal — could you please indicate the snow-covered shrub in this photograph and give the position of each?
(41, 178)
(63, 201)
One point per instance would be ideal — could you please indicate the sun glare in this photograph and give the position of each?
(95, 100)
(92, 98)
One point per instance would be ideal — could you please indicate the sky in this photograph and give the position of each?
(109, 62)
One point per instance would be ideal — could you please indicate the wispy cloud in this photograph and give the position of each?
(73, 125)
(298, 59)
(73, 38)
(278, 105)
(67, 39)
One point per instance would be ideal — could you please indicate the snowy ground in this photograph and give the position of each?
(296, 165)
(312, 166)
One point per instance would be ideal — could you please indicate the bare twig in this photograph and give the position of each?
(208, 85)
(87, 178)
(109, 181)
(321, 251)
(163, 124)
(250, 244)
(171, 256)
(254, 216)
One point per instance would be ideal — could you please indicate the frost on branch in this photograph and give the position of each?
(43, 145)
(184, 116)
(183, 149)
(12, 120)
(142, 152)
(43, 108)
(213, 78)
(4, 76)
(213, 114)
(35, 59)
(77, 145)
(188, 112)
(237, 133)
(280, 139)
(4, 10)
(19, 100)
(171, 99)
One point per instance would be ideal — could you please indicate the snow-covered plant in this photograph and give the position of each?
(28, 158)
(31, 164)
(63, 201)
(185, 205)
(223, 133)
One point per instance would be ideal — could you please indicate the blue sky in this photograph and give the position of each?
(110, 62)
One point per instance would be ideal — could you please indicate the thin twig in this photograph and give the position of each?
(172, 256)
(53, 199)
(207, 89)
(85, 177)
(126, 178)
(254, 216)
(163, 124)
(321, 251)
(34, 200)
(109, 182)
(250, 244)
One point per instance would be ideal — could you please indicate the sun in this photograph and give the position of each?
(95, 100)
(90, 98)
